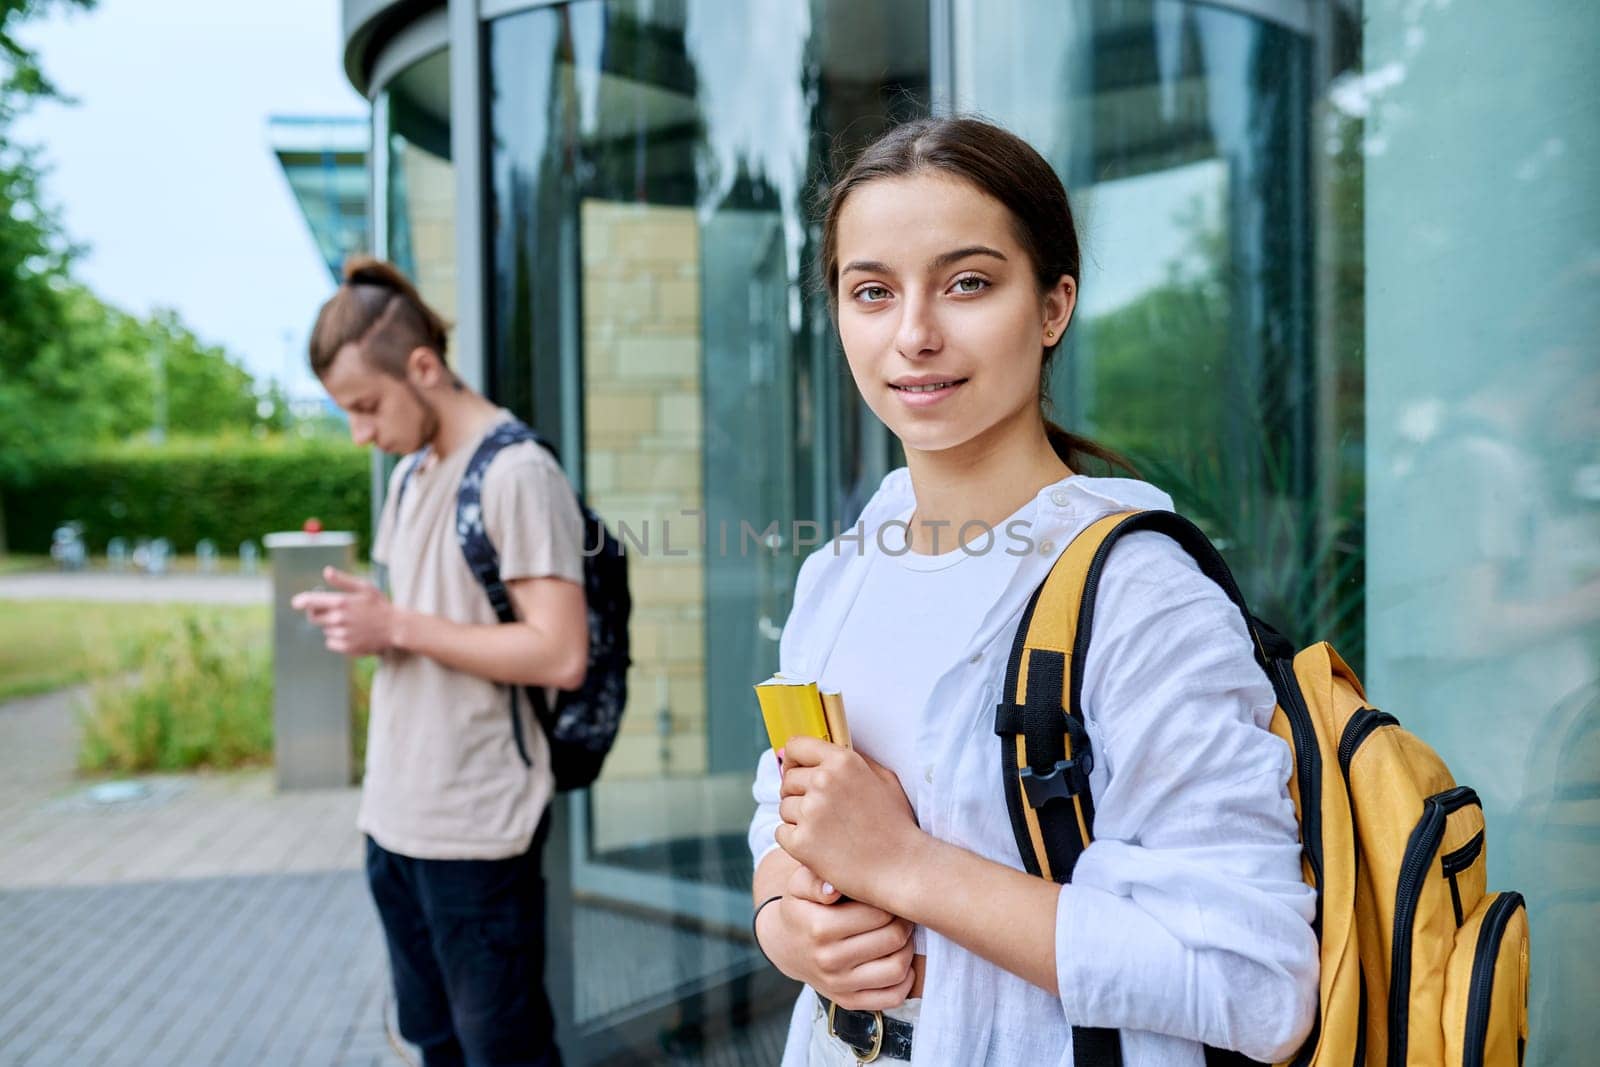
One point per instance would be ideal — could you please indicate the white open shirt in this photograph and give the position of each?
(1186, 920)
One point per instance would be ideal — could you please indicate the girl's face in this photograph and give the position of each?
(940, 312)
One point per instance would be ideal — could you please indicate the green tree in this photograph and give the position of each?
(35, 258)
(73, 369)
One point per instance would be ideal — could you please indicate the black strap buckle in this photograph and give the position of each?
(1065, 780)
(874, 1036)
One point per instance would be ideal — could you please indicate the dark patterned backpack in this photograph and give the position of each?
(584, 722)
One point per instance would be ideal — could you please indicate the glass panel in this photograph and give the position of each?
(1482, 200)
(1341, 301)
(652, 169)
(1182, 131)
(421, 183)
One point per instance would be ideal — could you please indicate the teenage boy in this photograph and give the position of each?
(454, 808)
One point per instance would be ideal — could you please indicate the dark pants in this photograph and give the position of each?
(466, 947)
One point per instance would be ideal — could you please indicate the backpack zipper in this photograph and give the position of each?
(1459, 860)
(1419, 855)
(1360, 1058)
(1456, 862)
(1308, 767)
(1357, 730)
(1481, 990)
(1361, 726)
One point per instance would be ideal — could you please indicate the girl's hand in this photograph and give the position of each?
(852, 953)
(845, 817)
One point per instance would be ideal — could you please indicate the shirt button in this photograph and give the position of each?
(976, 656)
(927, 774)
(1058, 497)
(1046, 547)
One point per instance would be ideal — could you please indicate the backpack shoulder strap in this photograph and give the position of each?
(412, 462)
(1044, 745)
(482, 557)
(1045, 749)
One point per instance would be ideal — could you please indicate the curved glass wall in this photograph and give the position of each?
(653, 165)
(1183, 133)
(1482, 203)
(1340, 302)
(418, 195)
(1335, 299)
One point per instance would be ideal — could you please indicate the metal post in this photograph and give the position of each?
(310, 685)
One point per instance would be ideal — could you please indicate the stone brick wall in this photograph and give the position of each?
(642, 416)
(430, 203)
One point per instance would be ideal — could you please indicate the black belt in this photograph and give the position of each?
(868, 1033)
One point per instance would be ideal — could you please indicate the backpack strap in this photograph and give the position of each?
(483, 559)
(1045, 750)
(412, 462)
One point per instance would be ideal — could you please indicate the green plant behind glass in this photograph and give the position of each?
(1166, 389)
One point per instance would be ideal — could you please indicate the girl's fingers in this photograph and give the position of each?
(881, 973)
(807, 886)
(841, 922)
(795, 780)
(886, 941)
(803, 751)
(876, 999)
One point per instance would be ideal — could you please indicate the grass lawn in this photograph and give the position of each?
(47, 644)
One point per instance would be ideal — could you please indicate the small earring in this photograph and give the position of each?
(1048, 334)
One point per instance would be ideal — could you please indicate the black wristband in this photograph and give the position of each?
(757, 937)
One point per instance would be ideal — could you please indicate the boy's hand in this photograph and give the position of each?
(357, 620)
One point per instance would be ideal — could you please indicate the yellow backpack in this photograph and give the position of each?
(1420, 963)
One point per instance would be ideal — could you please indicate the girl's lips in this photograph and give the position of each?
(922, 399)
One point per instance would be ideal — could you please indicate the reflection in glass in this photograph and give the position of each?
(652, 165)
(1182, 133)
(1484, 472)
(421, 189)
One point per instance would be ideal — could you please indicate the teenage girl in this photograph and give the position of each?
(887, 878)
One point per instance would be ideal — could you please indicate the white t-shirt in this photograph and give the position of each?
(915, 614)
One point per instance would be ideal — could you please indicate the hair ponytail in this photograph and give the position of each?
(378, 309)
(1075, 450)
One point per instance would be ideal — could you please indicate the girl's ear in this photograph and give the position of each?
(1059, 303)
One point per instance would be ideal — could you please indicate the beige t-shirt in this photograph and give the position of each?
(443, 777)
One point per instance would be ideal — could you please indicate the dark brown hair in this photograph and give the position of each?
(1007, 168)
(379, 310)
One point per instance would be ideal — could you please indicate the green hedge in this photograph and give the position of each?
(228, 490)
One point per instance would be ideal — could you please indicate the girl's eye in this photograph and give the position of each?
(872, 294)
(970, 284)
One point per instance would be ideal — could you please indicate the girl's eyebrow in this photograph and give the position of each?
(945, 259)
(866, 266)
(939, 262)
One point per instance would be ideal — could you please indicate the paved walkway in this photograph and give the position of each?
(199, 920)
(143, 588)
(210, 920)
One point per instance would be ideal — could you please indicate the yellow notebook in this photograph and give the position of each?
(793, 708)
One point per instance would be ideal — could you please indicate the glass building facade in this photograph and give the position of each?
(1341, 290)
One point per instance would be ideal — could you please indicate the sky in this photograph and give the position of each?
(162, 167)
